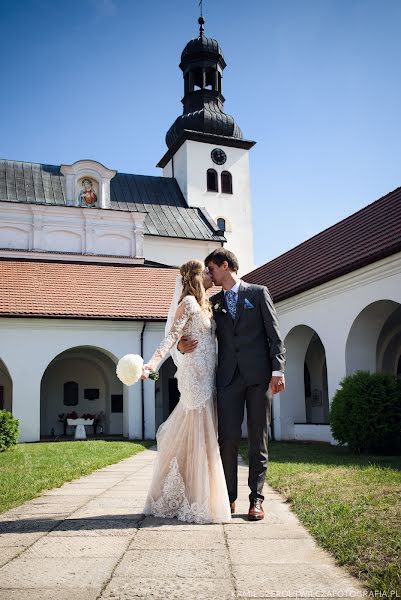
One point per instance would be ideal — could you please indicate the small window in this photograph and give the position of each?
(226, 183)
(212, 184)
(221, 225)
(70, 393)
(91, 394)
(117, 403)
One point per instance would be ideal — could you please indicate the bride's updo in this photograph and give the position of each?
(192, 283)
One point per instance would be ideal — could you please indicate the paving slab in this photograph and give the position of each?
(212, 563)
(78, 546)
(88, 540)
(293, 580)
(178, 540)
(141, 588)
(73, 573)
(50, 594)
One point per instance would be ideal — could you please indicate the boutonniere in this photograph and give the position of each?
(248, 304)
(219, 308)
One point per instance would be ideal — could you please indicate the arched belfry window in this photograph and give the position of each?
(70, 393)
(212, 181)
(226, 183)
(221, 224)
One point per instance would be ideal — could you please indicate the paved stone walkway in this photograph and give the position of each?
(88, 540)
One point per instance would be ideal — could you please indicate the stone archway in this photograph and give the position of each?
(81, 379)
(305, 401)
(6, 388)
(374, 339)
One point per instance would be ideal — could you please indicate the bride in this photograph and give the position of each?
(188, 478)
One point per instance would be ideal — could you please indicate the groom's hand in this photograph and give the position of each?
(277, 384)
(187, 344)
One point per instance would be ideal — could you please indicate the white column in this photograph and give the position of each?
(334, 345)
(150, 417)
(132, 417)
(26, 399)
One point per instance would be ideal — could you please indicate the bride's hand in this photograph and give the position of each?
(145, 372)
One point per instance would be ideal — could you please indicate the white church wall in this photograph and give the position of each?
(27, 346)
(331, 310)
(191, 163)
(178, 167)
(175, 252)
(71, 229)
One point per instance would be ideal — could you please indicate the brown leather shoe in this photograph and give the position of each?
(255, 510)
(232, 507)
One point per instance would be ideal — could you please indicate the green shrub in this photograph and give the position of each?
(9, 430)
(365, 413)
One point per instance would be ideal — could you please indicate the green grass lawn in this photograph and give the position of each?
(350, 503)
(27, 470)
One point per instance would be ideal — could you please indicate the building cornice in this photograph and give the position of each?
(206, 138)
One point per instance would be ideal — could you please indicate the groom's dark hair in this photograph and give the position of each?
(220, 255)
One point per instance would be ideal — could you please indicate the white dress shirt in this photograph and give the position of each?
(235, 289)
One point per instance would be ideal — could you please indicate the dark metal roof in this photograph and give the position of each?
(202, 64)
(201, 46)
(160, 197)
(372, 233)
(208, 119)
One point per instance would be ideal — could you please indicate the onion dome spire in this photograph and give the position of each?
(202, 64)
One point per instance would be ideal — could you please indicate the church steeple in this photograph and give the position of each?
(202, 64)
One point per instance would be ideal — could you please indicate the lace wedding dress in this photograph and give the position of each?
(188, 478)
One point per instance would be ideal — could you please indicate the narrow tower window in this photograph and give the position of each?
(226, 183)
(212, 183)
(221, 224)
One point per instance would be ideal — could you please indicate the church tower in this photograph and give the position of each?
(207, 153)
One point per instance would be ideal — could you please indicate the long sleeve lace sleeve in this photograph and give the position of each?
(184, 311)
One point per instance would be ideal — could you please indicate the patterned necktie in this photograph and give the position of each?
(231, 299)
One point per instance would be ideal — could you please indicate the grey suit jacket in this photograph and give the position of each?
(252, 341)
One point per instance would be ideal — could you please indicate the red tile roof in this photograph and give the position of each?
(368, 235)
(33, 288)
(78, 290)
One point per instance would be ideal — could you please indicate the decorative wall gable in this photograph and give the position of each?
(88, 184)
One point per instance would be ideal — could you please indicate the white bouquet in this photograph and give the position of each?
(129, 369)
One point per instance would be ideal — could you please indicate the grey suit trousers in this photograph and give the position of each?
(231, 400)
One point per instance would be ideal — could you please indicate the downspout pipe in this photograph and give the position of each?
(143, 388)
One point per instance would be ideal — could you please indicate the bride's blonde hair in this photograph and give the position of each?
(192, 284)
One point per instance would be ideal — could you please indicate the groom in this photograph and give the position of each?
(251, 355)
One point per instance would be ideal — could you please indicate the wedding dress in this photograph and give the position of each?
(188, 479)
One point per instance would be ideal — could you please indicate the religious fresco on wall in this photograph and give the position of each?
(87, 195)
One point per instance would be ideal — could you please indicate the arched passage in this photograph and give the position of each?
(81, 379)
(6, 388)
(305, 401)
(166, 392)
(374, 340)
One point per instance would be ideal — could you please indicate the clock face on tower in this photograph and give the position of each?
(218, 155)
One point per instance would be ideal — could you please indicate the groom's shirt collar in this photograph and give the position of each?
(235, 287)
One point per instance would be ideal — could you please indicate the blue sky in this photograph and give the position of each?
(316, 83)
